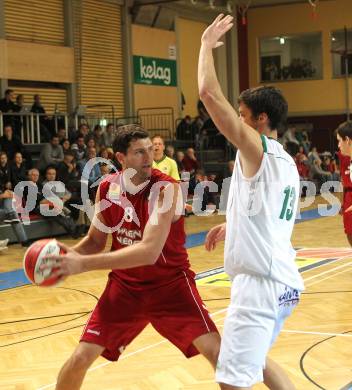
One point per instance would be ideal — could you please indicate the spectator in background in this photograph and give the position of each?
(290, 142)
(185, 129)
(165, 164)
(7, 106)
(19, 121)
(12, 145)
(62, 218)
(9, 215)
(302, 166)
(190, 161)
(230, 167)
(5, 177)
(92, 144)
(21, 108)
(329, 165)
(37, 108)
(61, 133)
(170, 151)
(313, 156)
(68, 174)
(301, 152)
(79, 149)
(66, 169)
(105, 169)
(51, 154)
(305, 142)
(209, 134)
(98, 137)
(17, 170)
(66, 146)
(319, 174)
(94, 172)
(106, 153)
(208, 197)
(109, 135)
(83, 131)
(179, 161)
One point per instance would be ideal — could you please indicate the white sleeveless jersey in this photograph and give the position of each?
(260, 216)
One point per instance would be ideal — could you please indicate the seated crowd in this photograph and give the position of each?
(65, 156)
(311, 165)
(63, 159)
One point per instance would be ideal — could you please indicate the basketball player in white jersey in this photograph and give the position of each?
(261, 210)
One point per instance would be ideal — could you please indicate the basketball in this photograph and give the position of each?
(34, 258)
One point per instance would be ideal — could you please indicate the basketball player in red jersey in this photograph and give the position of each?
(344, 138)
(151, 280)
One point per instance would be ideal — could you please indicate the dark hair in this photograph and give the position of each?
(69, 153)
(8, 91)
(344, 130)
(126, 134)
(158, 136)
(55, 135)
(268, 100)
(50, 167)
(81, 125)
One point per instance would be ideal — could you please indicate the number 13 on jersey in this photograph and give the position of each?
(288, 204)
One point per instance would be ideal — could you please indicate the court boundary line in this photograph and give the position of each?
(150, 346)
(164, 341)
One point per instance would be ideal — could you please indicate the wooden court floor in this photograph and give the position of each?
(39, 328)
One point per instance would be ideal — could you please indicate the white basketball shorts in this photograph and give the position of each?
(257, 311)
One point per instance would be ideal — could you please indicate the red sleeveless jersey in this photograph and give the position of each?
(344, 163)
(127, 215)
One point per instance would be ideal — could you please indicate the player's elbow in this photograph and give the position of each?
(205, 94)
(150, 254)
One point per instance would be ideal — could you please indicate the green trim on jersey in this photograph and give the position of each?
(265, 148)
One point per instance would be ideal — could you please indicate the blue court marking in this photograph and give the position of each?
(17, 278)
(347, 387)
(13, 279)
(195, 239)
(314, 214)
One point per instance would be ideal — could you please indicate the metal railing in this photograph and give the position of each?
(31, 127)
(158, 121)
(34, 128)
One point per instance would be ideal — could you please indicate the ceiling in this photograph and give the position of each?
(160, 13)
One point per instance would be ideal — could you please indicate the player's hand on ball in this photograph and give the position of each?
(70, 263)
(215, 234)
(216, 30)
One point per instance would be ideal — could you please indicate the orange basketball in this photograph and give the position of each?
(34, 258)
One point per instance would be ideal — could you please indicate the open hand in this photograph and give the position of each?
(216, 30)
(215, 234)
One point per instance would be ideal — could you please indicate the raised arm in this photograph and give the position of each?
(244, 137)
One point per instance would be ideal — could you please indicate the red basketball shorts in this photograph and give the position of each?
(175, 309)
(347, 217)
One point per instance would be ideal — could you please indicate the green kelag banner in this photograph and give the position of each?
(154, 71)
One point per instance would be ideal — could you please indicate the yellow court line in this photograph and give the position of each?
(164, 341)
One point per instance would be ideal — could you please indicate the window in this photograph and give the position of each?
(291, 57)
(340, 41)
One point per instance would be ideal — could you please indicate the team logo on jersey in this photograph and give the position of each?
(114, 192)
